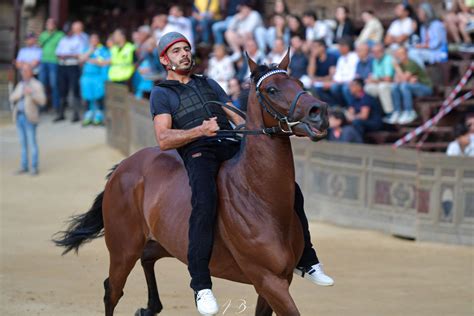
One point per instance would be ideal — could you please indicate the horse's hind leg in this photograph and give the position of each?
(151, 253)
(120, 267)
(125, 240)
(263, 308)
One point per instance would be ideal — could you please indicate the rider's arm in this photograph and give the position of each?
(234, 117)
(169, 138)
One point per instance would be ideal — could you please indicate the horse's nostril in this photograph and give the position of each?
(314, 112)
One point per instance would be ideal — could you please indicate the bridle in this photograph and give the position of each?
(267, 106)
(263, 101)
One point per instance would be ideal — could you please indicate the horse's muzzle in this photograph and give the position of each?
(316, 122)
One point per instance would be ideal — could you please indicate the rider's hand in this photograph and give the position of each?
(209, 127)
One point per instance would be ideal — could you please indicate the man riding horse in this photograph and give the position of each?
(186, 121)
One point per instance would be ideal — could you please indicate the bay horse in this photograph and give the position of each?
(145, 206)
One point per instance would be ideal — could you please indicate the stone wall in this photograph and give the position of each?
(423, 196)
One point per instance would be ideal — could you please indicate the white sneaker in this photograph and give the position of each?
(407, 117)
(393, 118)
(206, 302)
(315, 274)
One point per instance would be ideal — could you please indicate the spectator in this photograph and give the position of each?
(221, 68)
(296, 27)
(459, 21)
(266, 37)
(78, 30)
(140, 38)
(278, 52)
(339, 130)
(344, 26)
(234, 92)
(462, 145)
(379, 82)
(299, 61)
(92, 81)
(26, 99)
(281, 7)
(316, 29)
(372, 32)
(48, 75)
(69, 49)
(364, 112)
(364, 66)
(205, 12)
(434, 44)
(122, 58)
(410, 80)
(30, 54)
(337, 92)
(219, 28)
(241, 28)
(401, 28)
(321, 65)
(177, 22)
(251, 48)
(158, 25)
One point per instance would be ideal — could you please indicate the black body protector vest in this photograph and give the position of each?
(193, 109)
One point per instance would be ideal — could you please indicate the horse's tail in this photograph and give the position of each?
(82, 228)
(85, 227)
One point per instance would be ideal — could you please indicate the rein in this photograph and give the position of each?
(267, 106)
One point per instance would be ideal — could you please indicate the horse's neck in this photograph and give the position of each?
(266, 163)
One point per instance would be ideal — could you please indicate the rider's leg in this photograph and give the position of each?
(309, 256)
(308, 266)
(202, 166)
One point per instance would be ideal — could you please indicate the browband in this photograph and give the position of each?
(268, 74)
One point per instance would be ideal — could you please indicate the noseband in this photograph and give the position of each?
(267, 106)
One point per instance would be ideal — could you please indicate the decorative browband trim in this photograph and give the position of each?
(268, 74)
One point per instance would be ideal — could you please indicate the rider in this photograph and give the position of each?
(182, 122)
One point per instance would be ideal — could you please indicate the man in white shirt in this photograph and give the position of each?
(177, 22)
(337, 91)
(462, 145)
(241, 28)
(400, 30)
(316, 30)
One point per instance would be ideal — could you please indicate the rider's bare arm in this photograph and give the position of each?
(169, 138)
(234, 117)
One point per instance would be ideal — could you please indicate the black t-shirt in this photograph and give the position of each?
(166, 101)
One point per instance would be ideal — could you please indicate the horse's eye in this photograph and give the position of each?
(271, 90)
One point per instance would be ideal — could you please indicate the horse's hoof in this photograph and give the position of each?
(143, 312)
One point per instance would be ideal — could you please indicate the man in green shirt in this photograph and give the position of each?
(410, 81)
(48, 75)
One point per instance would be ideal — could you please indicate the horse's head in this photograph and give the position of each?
(285, 102)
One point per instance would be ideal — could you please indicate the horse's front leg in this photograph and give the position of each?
(275, 290)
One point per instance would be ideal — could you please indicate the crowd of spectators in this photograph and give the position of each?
(371, 75)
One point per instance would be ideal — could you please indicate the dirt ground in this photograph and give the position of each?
(375, 274)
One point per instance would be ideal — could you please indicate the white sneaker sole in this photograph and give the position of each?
(308, 277)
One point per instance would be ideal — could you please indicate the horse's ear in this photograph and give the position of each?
(252, 65)
(285, 61)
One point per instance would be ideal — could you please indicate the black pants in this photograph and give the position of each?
(203, 165)
(68, 80)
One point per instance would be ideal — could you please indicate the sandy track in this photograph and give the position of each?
(375, 274)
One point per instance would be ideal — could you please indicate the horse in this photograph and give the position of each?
(145, 206)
